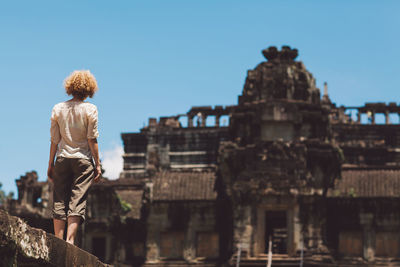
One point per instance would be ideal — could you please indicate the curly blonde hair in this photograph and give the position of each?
(81, 84)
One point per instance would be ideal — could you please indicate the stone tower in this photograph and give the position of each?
(279, 162)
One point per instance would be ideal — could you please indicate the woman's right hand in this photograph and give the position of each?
(97, 173)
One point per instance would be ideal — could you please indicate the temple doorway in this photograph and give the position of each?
(99, 247)
(276, 230)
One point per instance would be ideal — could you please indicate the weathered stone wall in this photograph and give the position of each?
(175, 227)
(365, 228)
(171, 148)
(367, 144)
(21, 245)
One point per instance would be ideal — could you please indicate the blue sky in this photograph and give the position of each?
(156, 58)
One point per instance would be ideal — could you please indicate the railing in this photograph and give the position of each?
(196, 117)
(369, 112)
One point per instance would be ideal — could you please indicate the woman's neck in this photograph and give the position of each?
(76, 99)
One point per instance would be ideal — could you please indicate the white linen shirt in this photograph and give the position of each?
(72, 124)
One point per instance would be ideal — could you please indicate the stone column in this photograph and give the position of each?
(189, 248)
(373, 117)
(387, 119)
(315, 229)
(152, 245)
(359, 117)
(297, 233)
(243, 230)
(217, 119)
(190, 121)
(203, 120)
(366, 220)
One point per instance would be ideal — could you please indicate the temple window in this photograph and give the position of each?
(210, 121)
(138, 249)
(171, 244)
(350, 243)
(387, 244)
(224, 121)
(207, 244)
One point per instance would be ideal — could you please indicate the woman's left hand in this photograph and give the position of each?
(50, 172)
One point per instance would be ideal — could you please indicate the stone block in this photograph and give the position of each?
(22, 245)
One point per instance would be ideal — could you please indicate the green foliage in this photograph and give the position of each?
(352, 192)
(3, 196)
(341, 153)
(126, 207)
(336, 193)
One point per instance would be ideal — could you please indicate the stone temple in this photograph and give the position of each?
(284, 172)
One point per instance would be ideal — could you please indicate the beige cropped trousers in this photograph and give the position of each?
(72, 179)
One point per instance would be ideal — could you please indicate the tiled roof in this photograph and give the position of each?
(367, 183)
(172, 186)
(134, 199)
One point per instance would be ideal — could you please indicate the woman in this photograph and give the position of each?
(74, 140)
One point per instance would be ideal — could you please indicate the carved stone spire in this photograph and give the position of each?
(280, 77)
(325, 97)
(286, 54)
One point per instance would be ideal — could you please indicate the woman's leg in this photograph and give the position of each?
(72, 229)
(61, 192)
(59, 226)
(83, 176)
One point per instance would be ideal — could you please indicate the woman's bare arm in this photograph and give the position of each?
(94, 148)
(53, 150)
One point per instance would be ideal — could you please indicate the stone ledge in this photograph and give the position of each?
(22, 245)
